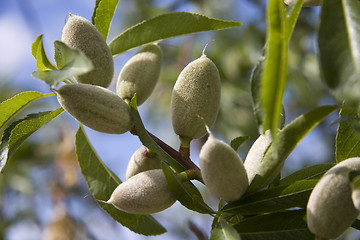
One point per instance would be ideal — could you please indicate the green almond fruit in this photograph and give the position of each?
(80, 34)
(140, 74)
(195, 98)
(142, 160)
(330, 209)
(96, 107)
(144, 193)
(222, 170)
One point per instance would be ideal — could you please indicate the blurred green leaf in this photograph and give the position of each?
(38, 51)
(101, 182)
(185, 192)
(103, 14)
(236, 142)
(166, 26)
(288, 138)
(275, 66)
(20, 130)
(347, 143)
(339, 45)
(223, 231)
(312, 172)
(289, 225)
(10, 107)
(274, 199)
(70, 61)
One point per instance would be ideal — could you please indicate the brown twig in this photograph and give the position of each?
(185, 161)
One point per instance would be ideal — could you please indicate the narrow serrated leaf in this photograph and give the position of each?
(347, 143)
(289, 225)
(288, 138)
(10, 107)
(223, 231)
(274, 199)
(97, 2)
(38, 52)
(20, 130)
(185, 192)
(103, 14)
(275, 66)
(102, 182)
(70, 61)
(291, 18)
(312, 172)
(166, 26)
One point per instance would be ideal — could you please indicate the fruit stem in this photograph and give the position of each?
(185, 147)
(191, 174)
(185, 161)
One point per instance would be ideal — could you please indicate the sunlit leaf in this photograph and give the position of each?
(293, 12)
(288, 138)
(185, 192)
(101, 182)
(166, 26)
(10, 107)
(103, 14)
(289, 225)
(38, 52)
(223, 231)
(70, 61)
(275, 65)
(347, 139)
(274, 199)
(20, 130)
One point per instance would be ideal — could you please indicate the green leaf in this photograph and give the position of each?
(70, 61)
(291, 18)
(147, 141)
(289, 225)
(20, 130)
(274, 199)
(103, 14)
(10, 107)
(288, 138)
(223, 231)
(312, 172)
(255, 87)
(97, 2)
(166, 26)
(185, 192)
(275, 65)
(347, 143)
(38, 51)
(236, 142)
(339, 45)
(102, 182)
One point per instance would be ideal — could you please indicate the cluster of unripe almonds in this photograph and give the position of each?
(194, 107)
